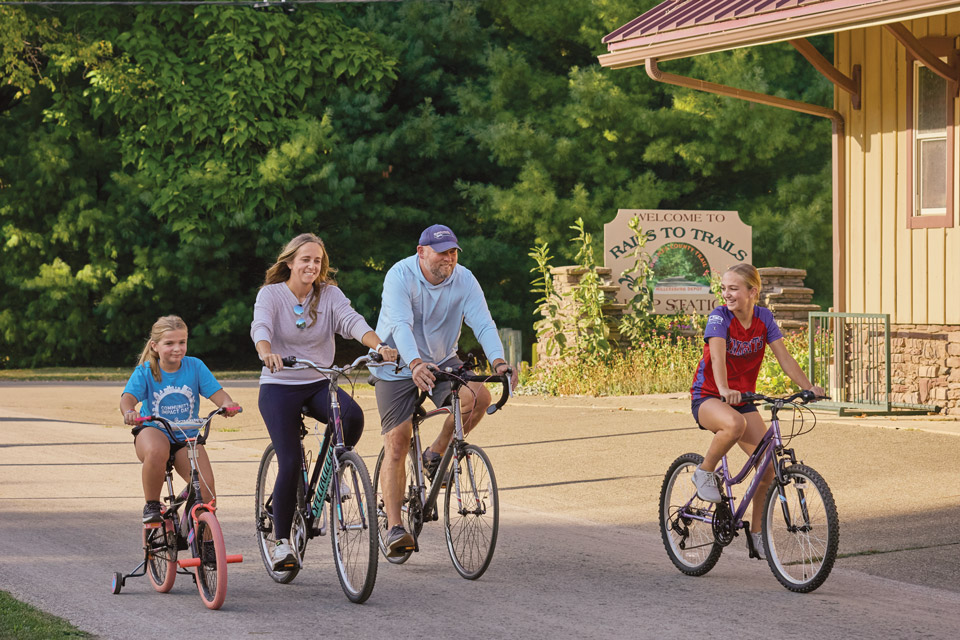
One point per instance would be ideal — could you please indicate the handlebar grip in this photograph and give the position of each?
(507, 375)
(376, 357)
(289, 361)
(142, 419)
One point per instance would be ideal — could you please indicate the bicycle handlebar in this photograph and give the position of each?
(374, 359)
(463, 375)
(805, 396)
(204, 424)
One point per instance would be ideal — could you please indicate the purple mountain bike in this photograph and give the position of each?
(801, 529)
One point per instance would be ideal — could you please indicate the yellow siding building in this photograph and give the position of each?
(896, 72)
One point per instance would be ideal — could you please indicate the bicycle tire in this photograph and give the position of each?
(160, 547)
(355, 547)
(676, 531)
(211, 573)
(471, 512)
(382, 517)
(801, 552)
(263, 519)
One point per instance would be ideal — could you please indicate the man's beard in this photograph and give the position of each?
(440, 271)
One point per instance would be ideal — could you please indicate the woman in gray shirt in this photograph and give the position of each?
(299, 308)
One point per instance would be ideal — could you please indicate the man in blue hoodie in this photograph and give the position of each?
(426, 299)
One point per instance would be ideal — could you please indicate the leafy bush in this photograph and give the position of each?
(661, 365)
(772, 380)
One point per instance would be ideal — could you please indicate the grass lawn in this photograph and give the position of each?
(23, 622)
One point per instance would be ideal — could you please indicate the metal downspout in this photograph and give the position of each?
(839, 195)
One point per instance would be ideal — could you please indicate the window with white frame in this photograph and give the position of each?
(930, 102)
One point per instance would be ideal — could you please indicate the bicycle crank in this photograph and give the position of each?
(723, 526)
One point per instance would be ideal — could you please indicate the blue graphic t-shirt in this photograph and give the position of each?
(177, 396)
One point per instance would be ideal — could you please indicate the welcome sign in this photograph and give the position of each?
(685, 247)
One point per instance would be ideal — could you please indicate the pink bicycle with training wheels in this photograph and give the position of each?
(198, 531)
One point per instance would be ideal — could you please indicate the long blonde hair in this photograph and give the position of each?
(160, 327)
(280, 271)
(750, 275)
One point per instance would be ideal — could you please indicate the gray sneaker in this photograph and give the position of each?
(758, 545)
(706, 484)
(398, 542)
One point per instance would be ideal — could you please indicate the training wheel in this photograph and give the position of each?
(117, 583)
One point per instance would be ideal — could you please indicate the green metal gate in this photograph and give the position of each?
(850, 359)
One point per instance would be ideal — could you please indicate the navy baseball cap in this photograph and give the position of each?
(439, 238)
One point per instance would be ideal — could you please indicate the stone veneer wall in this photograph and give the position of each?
(925, 365)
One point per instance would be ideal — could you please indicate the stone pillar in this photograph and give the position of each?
(565, 281)
(784, 294)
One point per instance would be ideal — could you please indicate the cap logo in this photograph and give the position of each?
(441, 234)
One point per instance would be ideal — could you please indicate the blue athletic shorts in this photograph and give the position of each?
(695, 403)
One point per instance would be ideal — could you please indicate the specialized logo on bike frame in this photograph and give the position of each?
(684, 249)
(175, 403)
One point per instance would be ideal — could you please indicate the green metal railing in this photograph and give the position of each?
(850, 359)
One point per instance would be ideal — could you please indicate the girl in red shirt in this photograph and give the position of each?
(735, 340)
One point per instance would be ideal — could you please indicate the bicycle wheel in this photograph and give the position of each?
(688, 540)
(263, 514)
(160, 545)
(212, 571)
(382, 516)
(352, 527)
(801, 529)
(471, 512)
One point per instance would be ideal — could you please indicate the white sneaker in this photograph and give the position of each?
(706, 484)
(758, 545)
(282, 556)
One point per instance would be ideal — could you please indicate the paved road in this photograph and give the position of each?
(579, 553)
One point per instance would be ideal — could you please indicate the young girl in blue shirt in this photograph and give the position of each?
(168, 383)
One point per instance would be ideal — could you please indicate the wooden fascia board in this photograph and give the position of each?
(765, 30)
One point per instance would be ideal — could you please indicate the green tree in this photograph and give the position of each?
(154, 160)
(166, 170)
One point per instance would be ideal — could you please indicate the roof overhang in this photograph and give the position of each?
(627, 49)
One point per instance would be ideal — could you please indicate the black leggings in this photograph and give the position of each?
(280, 407)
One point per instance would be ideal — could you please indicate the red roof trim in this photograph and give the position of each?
(672, 15)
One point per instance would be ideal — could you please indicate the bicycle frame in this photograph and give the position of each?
(428, 500)
(179, 534)
(761, 459)
(325, 476)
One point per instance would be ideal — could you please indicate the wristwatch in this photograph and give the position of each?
(381, 346)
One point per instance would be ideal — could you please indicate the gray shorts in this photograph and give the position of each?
(397, 398)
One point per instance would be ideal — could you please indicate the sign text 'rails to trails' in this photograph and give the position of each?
(684, 248)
